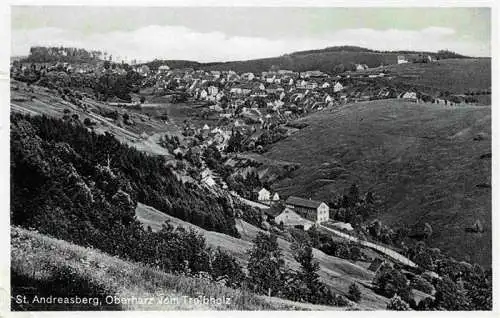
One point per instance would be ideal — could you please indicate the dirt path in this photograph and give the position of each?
(254, 204)
(384, 250)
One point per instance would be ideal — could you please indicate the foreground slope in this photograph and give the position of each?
(429, 163)
(43, 266)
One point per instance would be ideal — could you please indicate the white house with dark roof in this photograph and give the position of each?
(402, 59)
(203, 95)
(312, 210)
(289, 217)
(338, 87)
(361, 67)
(248, 76)
(275, 197)
(163, 68)
(263, 195)
(409, 96)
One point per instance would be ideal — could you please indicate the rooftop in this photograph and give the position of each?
(296, 201)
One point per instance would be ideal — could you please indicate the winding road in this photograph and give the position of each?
(384, 250)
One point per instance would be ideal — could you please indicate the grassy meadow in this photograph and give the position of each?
(424, 160)
(454, 75)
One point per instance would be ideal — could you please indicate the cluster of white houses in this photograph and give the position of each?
(298, 212)
(264, 196)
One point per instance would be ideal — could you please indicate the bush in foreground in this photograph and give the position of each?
(354, 293)
(421, 284)
(396, 303)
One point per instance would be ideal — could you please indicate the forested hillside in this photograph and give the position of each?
(67, 172)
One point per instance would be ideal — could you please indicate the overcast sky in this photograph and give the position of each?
(223, 34)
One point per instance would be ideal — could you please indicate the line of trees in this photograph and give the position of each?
(41, 54)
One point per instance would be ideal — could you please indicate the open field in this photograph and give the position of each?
(454, 75)
(44, 266)
(304, 61)
(335, 272)
(179, 112)
(424, 160)
(142, 134)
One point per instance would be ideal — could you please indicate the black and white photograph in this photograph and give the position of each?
(225, 158)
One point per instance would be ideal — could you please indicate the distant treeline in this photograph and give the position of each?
(441, 54)
(332, 61)
(343, 48)
(175, 64)
(41, 54)
(104, 86)
(329, 60)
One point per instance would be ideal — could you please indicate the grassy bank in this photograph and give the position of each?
(44, 266)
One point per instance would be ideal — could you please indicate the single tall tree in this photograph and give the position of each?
(266, 265)
(309, 267)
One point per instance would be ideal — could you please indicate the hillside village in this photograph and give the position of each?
(234, 112)
(227, 101)
(221, 122)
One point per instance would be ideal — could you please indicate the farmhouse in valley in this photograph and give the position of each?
(315, 211)
(263, 195)
(410, 95)
(163, 68)
(338, 87)
(288, 217)
(402, 59)
(275, 197)
(361, 67)
(266, 196)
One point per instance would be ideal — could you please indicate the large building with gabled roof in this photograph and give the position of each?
(312, 210)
